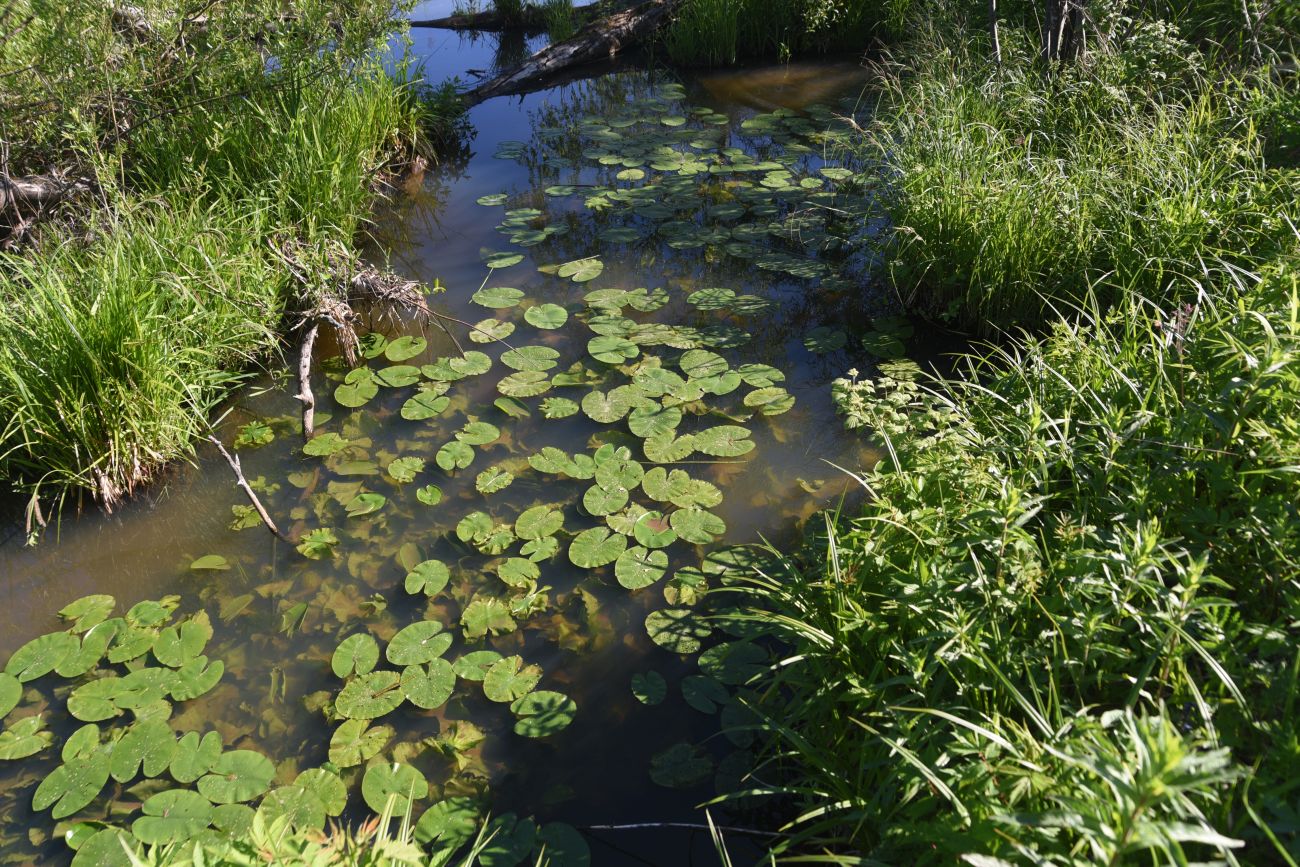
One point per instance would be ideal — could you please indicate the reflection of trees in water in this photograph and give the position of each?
(511, 49)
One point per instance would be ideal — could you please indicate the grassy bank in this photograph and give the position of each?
(130, 312)
(1062, 630)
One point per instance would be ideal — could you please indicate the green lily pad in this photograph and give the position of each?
(430, 495)
(773, 400)
(177, 645)
(474, 665)
(546, 316)
(422, 641)
(493, 479)
(41, 655)
(543, 713)
(700, 363)
(704, 693)
(194, 756)
(639, 567)
(509, 679)
(405, 347)
(196, 677)
(530, 358)
(654, 420)
(724, 441)
(454, 455)
(495, 261)
(511, 839)
(356, 654)
(237, 777)
(563, 845)
(398, 376)
(649, 688)
(173, 816)
(667, 448)
(369, 696)
(596, 547)
(604, 501)
(147, 746)
(88, 612)
(365, 504)
(518, 572)
(677, 630)
(424, 405)
(484, 616)
(404, 470)
(357, 389)
(607, 408)
(558, 407)
(96, 701)
(681, 766)
(296, 805)
(11, 692)
(428, 686)
(525, 383)
(538, 522)
(319, 447)
(27, 737)
(401, 784)
(511, 407)
(654, 531)
(451, 823)
(611, 349)
(72, 785)
(494, 199)
(478, 433)
(472, 363)
(327, 786)
(581, 270)
(429, 578)
(497, 297)
(354, 742)
(94, 644)
(697, 526)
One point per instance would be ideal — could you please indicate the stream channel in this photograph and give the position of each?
(656, 266)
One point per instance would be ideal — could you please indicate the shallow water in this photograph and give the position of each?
(279, 616)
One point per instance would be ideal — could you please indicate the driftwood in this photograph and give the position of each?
(597, 41)
(304, 381)
(39, 191)
(248, 490)
(532, 20)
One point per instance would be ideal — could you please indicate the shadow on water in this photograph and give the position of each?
(279, 617)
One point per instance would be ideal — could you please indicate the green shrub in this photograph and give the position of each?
(1058, 632)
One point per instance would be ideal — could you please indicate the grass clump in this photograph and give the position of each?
(1058, 633)
(128, 315)
(1011, 195)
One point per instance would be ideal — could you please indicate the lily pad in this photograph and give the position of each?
(704, 693)
(88, 612)
(322, 446)
(11, 692)
(530, 358)
(639, 567)
(27, 737)
(654, 531)
(327, 786)
(654, 420)
(525, 383)
(356, 654)
(397, 783)
(147, 746)
(491, 330)
(538, 521)
(474, 665)
(451, 823)
(478, 433)
(724, 441)
(493, 479)
(404, 470)
(681, 766)
(173, 816)
(365, 504)
(581, 270)
(72, 785)
(497, 297)
(369, 696)
(511, 407)
(428, 686)
(604, 501)
(495, 261)
(194, 756)
(558, 407)
(546, 316)
(649, 688)
(596, 547)
(773, 400)
(430, 495)
(611, 349)
(484, 616)
(509, 679)
(298, 806)
(405, 347)
(543, 713)
(398, 376)
(677, 630)
(518, 572)
(422, 641)
(454, 455)
(354, 742)
(697, 526)
(424, 405)
(357, 389)
(237, 777)
(41, 655)
(429, 577)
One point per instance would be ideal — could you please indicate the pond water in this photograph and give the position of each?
(659, 286)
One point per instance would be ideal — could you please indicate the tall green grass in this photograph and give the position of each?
(720, 32)
(1062, 629)
(1011, 194)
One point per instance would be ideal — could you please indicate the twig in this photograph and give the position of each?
(243, 483)
(304, 382)
(683, 826)
(471, 326)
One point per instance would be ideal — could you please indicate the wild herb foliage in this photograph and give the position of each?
(1059, 633)
(1012, 195)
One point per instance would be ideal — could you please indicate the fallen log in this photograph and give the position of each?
(39, 191)
(532, 20)
(596, 41)
(305, 393)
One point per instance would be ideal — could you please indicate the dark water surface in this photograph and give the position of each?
(278, 616)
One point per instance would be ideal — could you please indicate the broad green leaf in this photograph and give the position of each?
(357, 389)
(478, 433)
(428, 686)
(399, 783)
(454, 455)
(405, 347)
(493, 479)
(704, 693)
(327, 786)
(604, 501)
(147, 746)
(194, 757)
(177, 645)
(325, 445)
(474, 665)
(511, 407)
(398, 376)
(173, 816)
(509, 679)
(429, 578)
(296, 805)
(773, 400)
(612, 350)
(72, 785)
(581, 270)
(484, 616)
(422, 641)
(546, 316)
(518, 572)
(596, 547)
(356, 654)
(491, 330)
(639, 567)
(524, 383)
(369, 696)
(424, 405)
(430, 495)
(451, 823)
(404, 470)
(495, 261)
(538, 521)
(27, 737)
(237, 777)
(196, 677)
(654, 420)
(653, 530)
(700, 363)
(365, 504)
(88, 612)
(530, 358)
(543, 713)
(11, 692)
(318, 544)
(354, 742)
(558, 407)
(497, 297)
(724, 441)
(697, 526)
(734, 662)
(41, 655)
(649, 688)
(676, 629)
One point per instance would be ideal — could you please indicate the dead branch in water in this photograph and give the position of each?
(598, 40)
(248, 490)
(304, 381)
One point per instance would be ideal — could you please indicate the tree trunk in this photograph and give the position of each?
(38, 191)
(598, 40)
